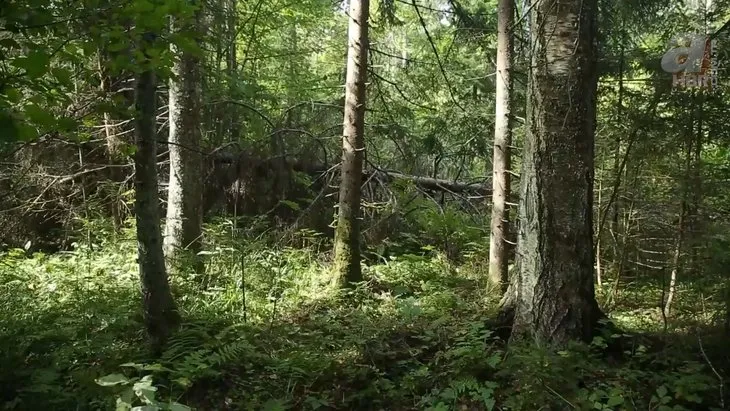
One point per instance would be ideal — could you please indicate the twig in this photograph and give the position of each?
(436, 53)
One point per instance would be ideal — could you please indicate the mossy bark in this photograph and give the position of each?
(159, 310)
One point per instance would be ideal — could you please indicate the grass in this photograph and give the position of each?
(415, 338)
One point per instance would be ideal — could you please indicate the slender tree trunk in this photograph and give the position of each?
(617, 148)
(160, 313)
(695, 202)
(232, 126)
(498, 256)
(113, 143)
(677, 253)
(599, 279)
(183, 228)
(617, 159)
(555, 298)
(347, 234)
(687, 209)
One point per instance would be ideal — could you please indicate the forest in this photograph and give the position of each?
(364, 205)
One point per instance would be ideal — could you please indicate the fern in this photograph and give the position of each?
(232, 353)
(193, 354)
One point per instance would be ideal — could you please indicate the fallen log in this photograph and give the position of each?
(384, 176)
(434, 184)
(387, 176)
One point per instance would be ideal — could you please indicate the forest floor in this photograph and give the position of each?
(416, 338)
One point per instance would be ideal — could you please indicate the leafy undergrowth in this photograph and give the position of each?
(414, 337)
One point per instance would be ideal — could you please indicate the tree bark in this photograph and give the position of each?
(689, 198)
(160, 313)
(347, 234)
(183, 228)
(231, 118)
(498, 257)
(554, 291)
(599, 274)
(113, 141)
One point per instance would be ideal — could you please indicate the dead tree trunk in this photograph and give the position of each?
(347, 234)
(114, 142)
(183, 227)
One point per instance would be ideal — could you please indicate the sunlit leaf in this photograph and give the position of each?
(112, 379)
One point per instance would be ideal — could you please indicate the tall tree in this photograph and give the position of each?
(555, 299)
(183, 228)
(347, 234)
(498, 255)
(160, 313)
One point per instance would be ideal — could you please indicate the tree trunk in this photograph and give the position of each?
(160, 313)
(113, 143)
(498, 258)
(232, 121)
(555, 299)
(183, 228)
(689, 188)
(599, 274)
(347, 234)
(617, 161)
(694, 221)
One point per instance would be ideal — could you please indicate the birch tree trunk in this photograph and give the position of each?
(554, 290)
(160, 313)
(498, 256)
(347, 234)
(183, 228)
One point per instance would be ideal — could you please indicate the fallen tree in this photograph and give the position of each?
(383, 176)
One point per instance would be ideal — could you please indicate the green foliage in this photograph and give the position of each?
(414, 338)
(263, 327)
(138, 391)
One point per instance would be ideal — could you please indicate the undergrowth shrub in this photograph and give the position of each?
(267, 331)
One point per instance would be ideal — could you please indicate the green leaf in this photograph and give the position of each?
(615, 400)
(145, 390)
(155, 367)
(62, 75)
(25, 132)
(39, 116)
(125, 400)
(175, 406)
(12, 95)
(693, 398)
(294, 206)
(118, 45)
(143, 6)
(35, 63)
(8, 127)
(67, 123)
(112, 379)
(661, 391)
(183, 382)
(274, 405)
